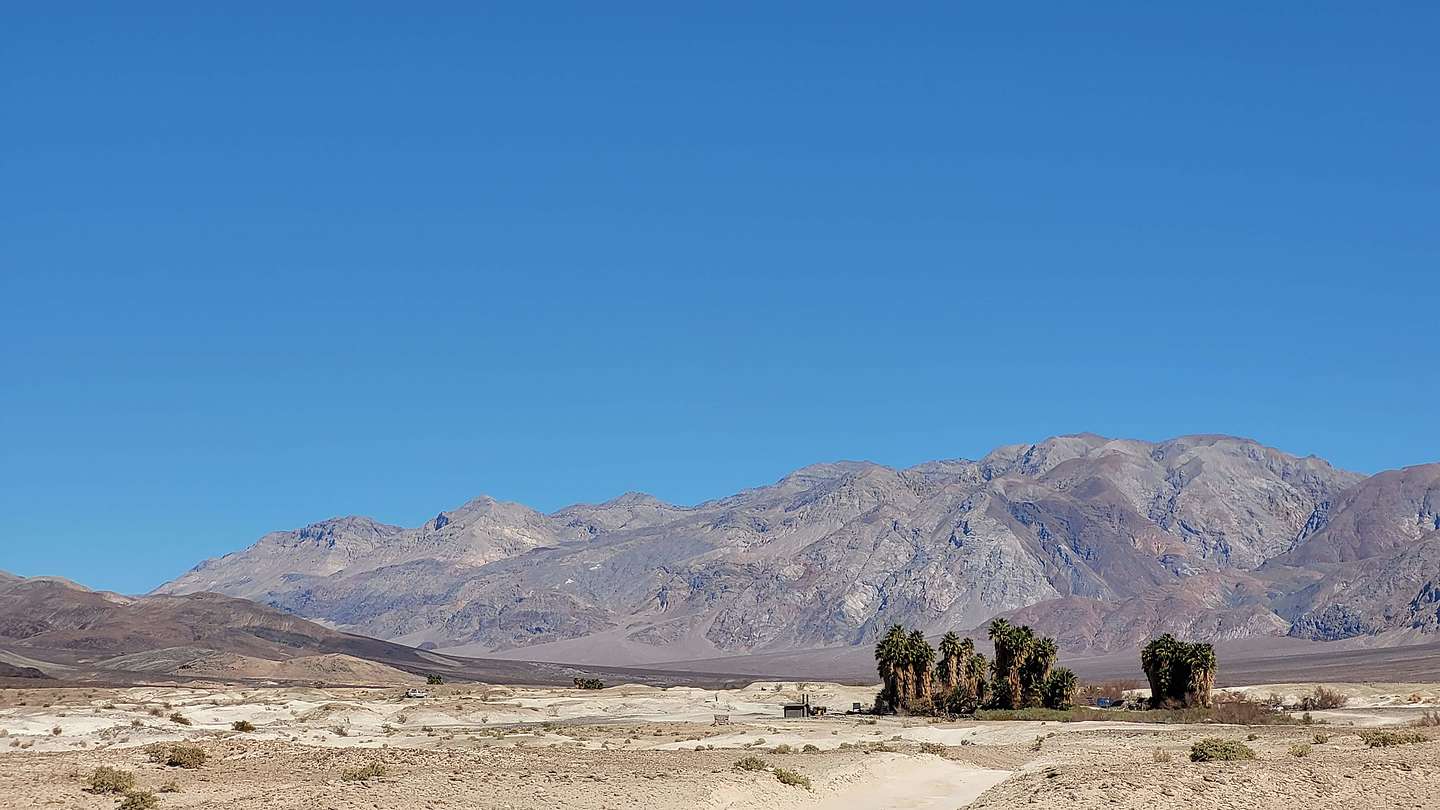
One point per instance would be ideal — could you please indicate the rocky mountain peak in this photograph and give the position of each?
(1114, 533)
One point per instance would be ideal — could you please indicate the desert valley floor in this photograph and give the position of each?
(472, 746)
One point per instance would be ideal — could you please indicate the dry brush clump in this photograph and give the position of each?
(364, 773)
(110, 780)
(1216, 749)
(177, 755)
(1385, 738)
(792, 778)
(243, 726)
(138, 800)
(1323, 698)
(751, 764)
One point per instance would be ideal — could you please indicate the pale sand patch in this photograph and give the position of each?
(897, 782)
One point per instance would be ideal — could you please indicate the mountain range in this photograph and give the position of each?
(1100, 542)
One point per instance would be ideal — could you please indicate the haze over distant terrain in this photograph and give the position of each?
(1101, 542)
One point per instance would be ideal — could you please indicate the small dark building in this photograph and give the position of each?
(796, 710)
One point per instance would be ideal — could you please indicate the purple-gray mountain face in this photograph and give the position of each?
(1101, 542)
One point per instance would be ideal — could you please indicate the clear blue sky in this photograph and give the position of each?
(261, 267)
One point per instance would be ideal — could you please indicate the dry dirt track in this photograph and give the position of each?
(505, 747)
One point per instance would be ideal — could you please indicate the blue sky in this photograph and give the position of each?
(261, 267)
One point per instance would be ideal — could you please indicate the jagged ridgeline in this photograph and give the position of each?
(1022, 675)
(1181, 673)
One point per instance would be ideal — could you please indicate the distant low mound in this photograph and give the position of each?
(332, 668)
(12, 671)
(89, 635)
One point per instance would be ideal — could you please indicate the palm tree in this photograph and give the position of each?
(889, 653)
(1059, 689)
(1039, 658)
(1012, 645)
(975, 668)
(922, 661)
(1158, 660)
(1200, 666)
(952, 660)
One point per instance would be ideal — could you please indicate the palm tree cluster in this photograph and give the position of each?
(1022, 674)
(1181, 673)
(1025, 672)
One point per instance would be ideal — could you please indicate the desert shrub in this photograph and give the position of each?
(434, 680)
(138, 800)
(110, 780)
(177, 717)
(170, 787)
(155, 711)
(787, 777)
(57, 731)
(589, 683)
(1215, 749)
(1160, 755)
(782, 748)
(1252, 737)
(1039, 741)
(1428, 719)
(340, 731)
(1384, 738)
(1241, 711)
(751, 764)
(178, 755)
(373, 770)
(1323, 698)
(810, 749)
(1300, 750)
(933, 748)
(136, 723)
(243, 726)
(1321, 738)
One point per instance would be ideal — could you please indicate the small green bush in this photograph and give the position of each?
(589, 683)
(751, 764)
(1386, 739)
(1321, 738)
(810, 749)
(434, 680)
(1214, 749)
(374, 770)
(792, 778)
(1300, 750)
(243, 726)
(111, 780)
(177, 717)
(782, 748)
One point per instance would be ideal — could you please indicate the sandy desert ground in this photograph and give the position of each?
(470, 746)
